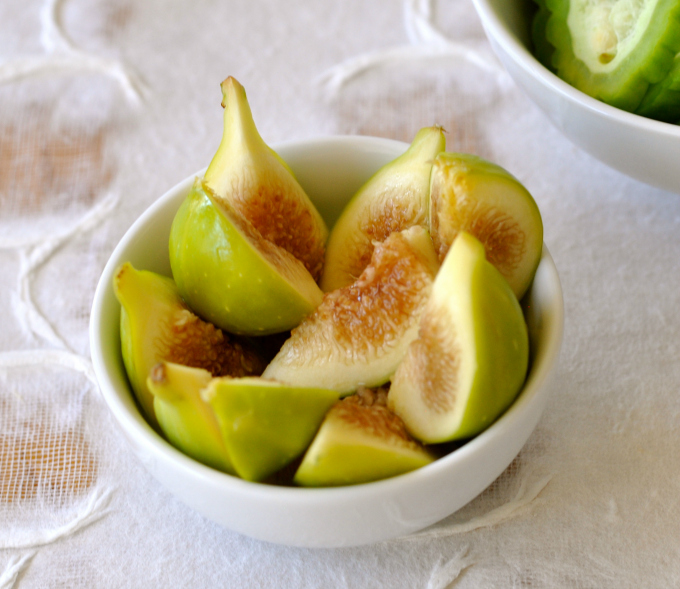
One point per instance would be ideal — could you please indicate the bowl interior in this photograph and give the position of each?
(330, 170)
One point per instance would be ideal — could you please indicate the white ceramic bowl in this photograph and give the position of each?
(642, 148)
(330, 169)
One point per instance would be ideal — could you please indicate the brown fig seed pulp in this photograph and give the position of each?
(368, 315)
(192, 342)
(281, 220)
(504, 240)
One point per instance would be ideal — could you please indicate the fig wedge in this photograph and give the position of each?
(359, 441)
(470, 194)
(393, 199)
(471, 356)
(230, 274)
(156, 325)
(259, 185)
(187, 421)
(358, 335)
(264, 424)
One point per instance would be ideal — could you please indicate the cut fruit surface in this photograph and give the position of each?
(473, 195)
(264, 424)
(187, 421)
(359, 441)
(358, 335)
(393, 199)
(231, 275)
(471, 356)
(156, 325)
(613, 50)
(259, 185)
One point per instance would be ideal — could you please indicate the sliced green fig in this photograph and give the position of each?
(188, 422)
(393, 199)
(156, 325)
(259, 185)
(473, 195)
(265, 424)
(613, 51)
(232, 276)
(359, 333)
(471, 356)
(359, 441)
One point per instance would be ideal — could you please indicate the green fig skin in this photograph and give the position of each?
(264, 424)
(393, 199)
(471, 357)
(359, 443)
(156, 325)
(472, 195)
(259, 185)
(187, 421)
(230, 275)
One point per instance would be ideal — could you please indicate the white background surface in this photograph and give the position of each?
(106, 105)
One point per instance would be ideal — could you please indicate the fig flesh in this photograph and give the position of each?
(231, 275)
(471, 356)
(358, 335)
(156, 325)
(393, 199)
(259, 185)
(187, 421)
(360, 440)
(264, 424)
(473, 195)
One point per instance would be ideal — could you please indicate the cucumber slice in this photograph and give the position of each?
(543, 49)
(662, 101)
(614, 49)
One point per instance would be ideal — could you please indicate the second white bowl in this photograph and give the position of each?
(642, 148)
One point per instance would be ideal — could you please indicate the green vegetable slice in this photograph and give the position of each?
(614, 49)
(662, 101)
(543, 49)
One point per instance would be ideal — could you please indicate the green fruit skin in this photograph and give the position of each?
(625, 85)
(184, 426)
(146, 299)
(502, 350)
(353, 464)
(489, 349)
(225, 280)
(266, 425)
(187, 421)
(136, 368)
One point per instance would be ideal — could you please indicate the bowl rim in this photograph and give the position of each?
(136, 426)
(499, 31)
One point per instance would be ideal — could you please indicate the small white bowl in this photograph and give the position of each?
(330, 169)
(642, 148)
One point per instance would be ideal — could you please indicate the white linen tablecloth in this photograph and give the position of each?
(106, 104)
